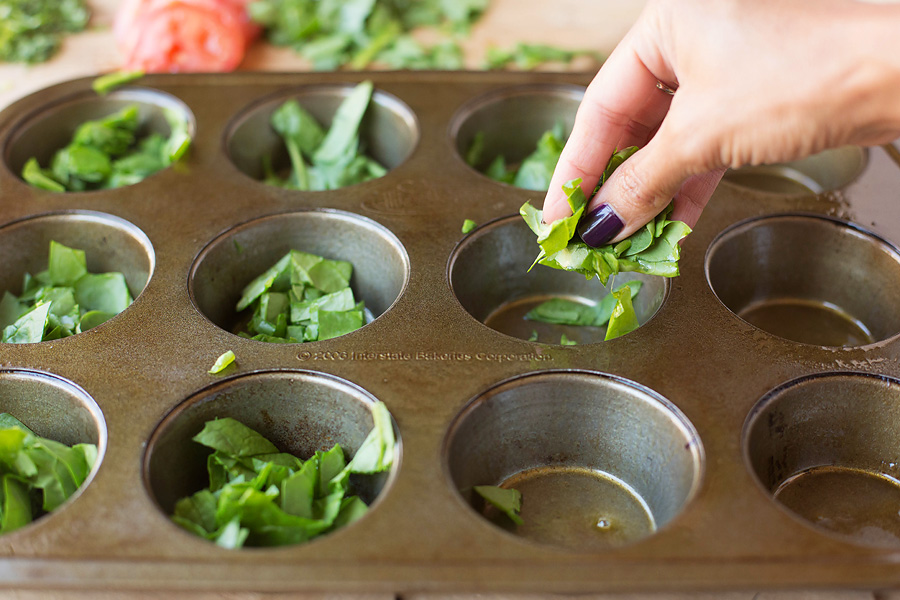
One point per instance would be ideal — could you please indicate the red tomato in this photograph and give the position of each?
(159, 36)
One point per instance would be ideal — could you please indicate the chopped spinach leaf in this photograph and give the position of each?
(222, 362)
(507, 501)
(469, 225)
(320, 159)
(258, 496)
(107, 83)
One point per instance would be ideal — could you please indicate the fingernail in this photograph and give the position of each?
(599, 226)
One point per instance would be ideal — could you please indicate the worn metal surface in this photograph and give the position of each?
(694, 371)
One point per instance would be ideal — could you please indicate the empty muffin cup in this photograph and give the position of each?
(56, 409)
(823, 172)
(825, 447)
(809, 279)
(50, 129)
(238, 256)
(388, 132)
(489, 276)
(109, 243)
(599, 461)
(510, 122)
(299, 412)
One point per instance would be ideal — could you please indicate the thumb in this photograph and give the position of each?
(635, 193)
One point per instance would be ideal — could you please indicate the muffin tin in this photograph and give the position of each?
(698, 452)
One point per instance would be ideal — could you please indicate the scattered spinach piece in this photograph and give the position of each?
(530, 56)
(652, 250)
(31, 31)
(533, 173)
(336, 33)
(108, 153)
(107, 83)
(561, 311)
(507, 501)
(63, 300)
(469, 225)
(323, 160)
(37, 474)
(565, 341)
(222, 362)
(301, 298)
(258, 496)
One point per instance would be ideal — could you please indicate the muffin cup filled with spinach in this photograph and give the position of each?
(271, 459)
(69, 272)
(323, 137)
(515, 135)
(88, 142)
(53, 437)
(299, 277)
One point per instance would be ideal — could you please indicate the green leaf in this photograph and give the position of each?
(33, 173)
(29, 328)
(233, 438)
(376, 453)
(103, 292)
(623, 319)
(66, 265)
(561, 311)
(507, 501)
(107, 83)
(16, 506)
(345, 125)
(469, 225)
(222, 362)
(261, 284)
(199, 509)
(334, 324)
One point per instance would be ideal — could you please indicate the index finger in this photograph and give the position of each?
(623, 94)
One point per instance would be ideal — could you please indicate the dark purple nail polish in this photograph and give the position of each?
(599, 226)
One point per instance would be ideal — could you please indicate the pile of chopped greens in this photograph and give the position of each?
(533, 173)
(63, 300)
(107, 153)
(332, 34)
(336, 157)
(652, 250)
(615, 308)
(31, 31)
(258, 496)
(37, 474)
(530, 56)
(302, 298)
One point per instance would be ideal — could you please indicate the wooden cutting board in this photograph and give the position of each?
(573, 24)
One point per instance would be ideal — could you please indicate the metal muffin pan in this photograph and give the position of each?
(717, 436)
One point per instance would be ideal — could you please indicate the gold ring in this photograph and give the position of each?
(664, 88)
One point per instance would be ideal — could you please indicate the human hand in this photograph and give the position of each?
(760, 81)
